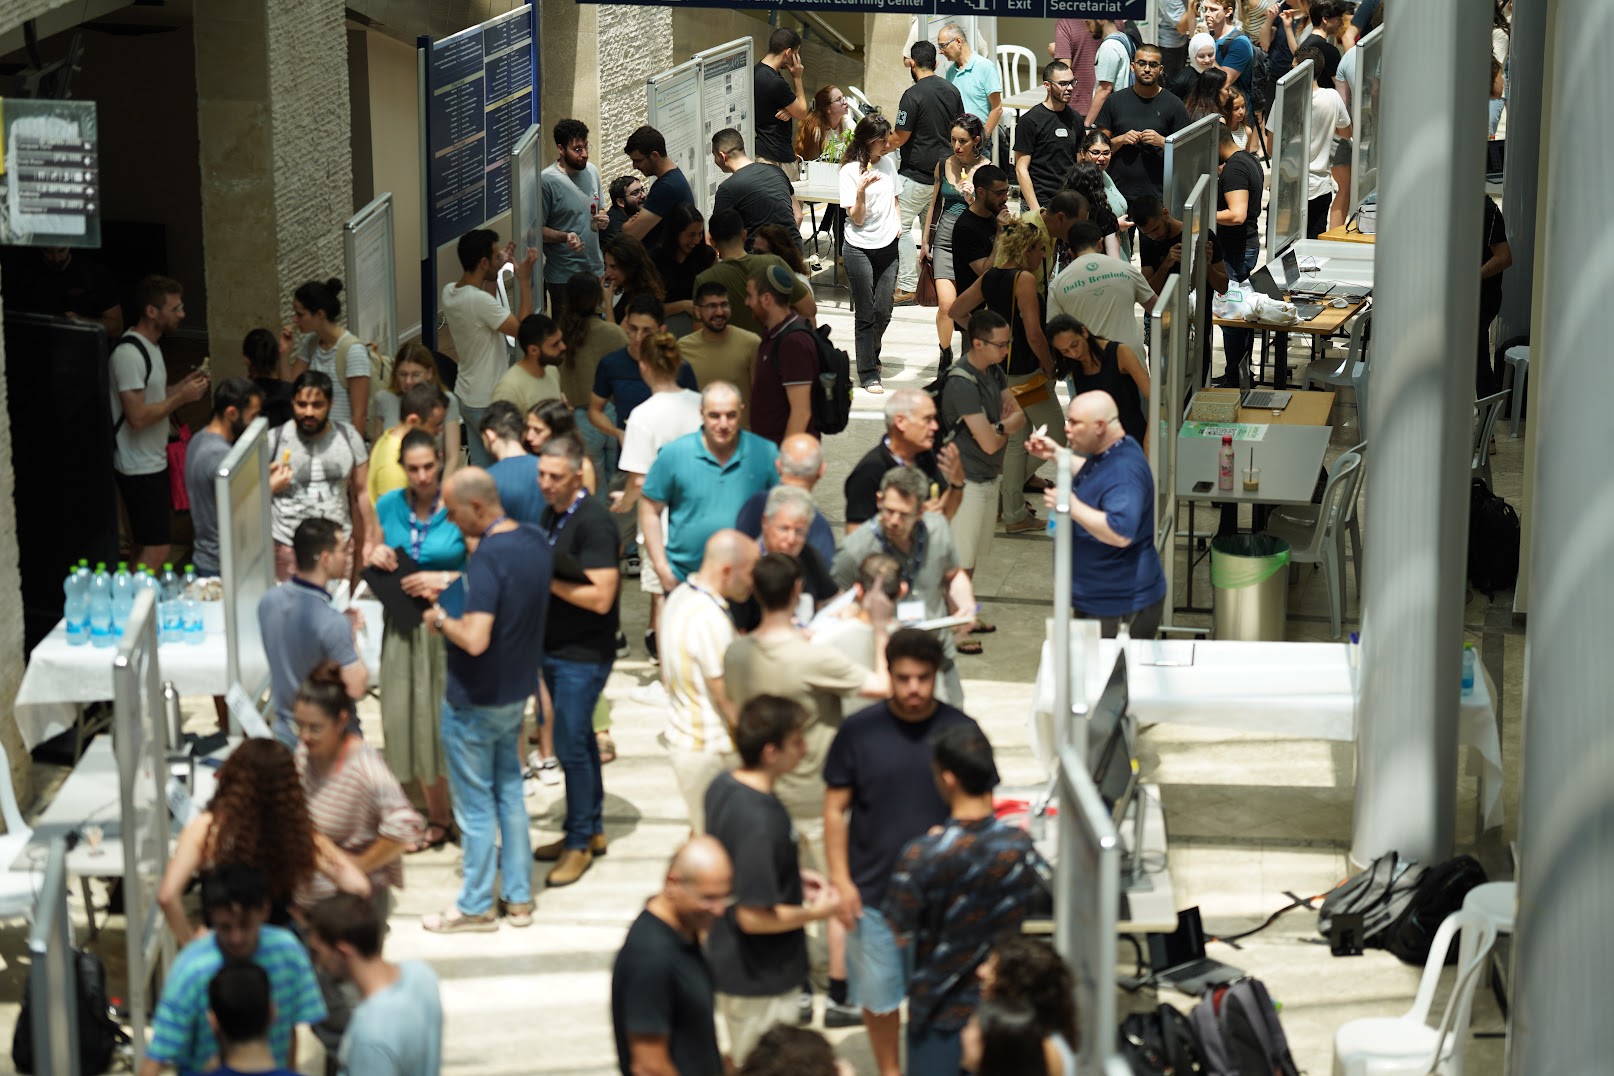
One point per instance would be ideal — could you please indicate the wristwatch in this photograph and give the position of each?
(441, 617)
(998, 426)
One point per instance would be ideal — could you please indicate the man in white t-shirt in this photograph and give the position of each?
(142, 404)
(479, 323)
(1099, 291)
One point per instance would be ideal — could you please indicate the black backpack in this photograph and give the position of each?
(98, 1034)
(1239, 1032)
(140, 346)
(1493, 540)
(832, 392)
(1380, 895)
(1159, 1043)
(1440, 892)
(1263, 84)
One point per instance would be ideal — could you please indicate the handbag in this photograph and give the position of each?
(925, 290)
(178, 446)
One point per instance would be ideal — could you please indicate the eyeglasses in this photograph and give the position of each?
(1004, 344)
(1063, 83)
(949, 41)
(1147, 64)
(635, 192)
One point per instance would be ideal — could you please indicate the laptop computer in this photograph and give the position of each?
(1179, 959)
(1268, 399)
(1495, 160)
(1276, 277)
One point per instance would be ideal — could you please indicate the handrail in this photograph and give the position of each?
(838, 41)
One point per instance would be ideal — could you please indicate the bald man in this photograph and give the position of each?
(800, 464)
(696, 631)
(662, 1005)
(1116, 575)
(495, 644)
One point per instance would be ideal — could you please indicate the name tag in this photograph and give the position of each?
(911, 611)
(1061, 133)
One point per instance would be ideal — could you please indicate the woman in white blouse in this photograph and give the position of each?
(869, 195)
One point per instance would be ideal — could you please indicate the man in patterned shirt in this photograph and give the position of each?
(953, 895)
(235, 903)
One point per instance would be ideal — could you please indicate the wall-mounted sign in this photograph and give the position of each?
(50, 171)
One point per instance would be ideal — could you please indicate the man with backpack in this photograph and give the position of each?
(1112, 66)
(1235, 54)
(142, 410)
(783, 378)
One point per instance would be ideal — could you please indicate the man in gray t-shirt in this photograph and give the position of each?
(978, 408)
(576, 209)
(236, 403)
(300, 629)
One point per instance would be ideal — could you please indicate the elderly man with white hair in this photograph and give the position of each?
(909, 441)
(786, 527)
(801, 465)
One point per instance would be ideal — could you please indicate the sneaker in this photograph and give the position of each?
(547, 770)
(804, 1008)
(518, 915)
(842, 1015)
(622, 648)
(631, 566)
(652, 694)
(874, 387)
(573, 864)
(454, 921)
(650, 646)
(551, 852)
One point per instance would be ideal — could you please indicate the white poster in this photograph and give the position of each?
(674, 101)
(372, 284)
(725, 102)
(527, 206)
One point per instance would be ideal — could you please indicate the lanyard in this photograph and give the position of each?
(553, 532)
(495, 523)
(921, 538)
(418, 531)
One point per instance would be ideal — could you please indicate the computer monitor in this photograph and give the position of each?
(1109, 710)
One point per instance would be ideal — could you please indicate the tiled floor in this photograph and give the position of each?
(1248, 818)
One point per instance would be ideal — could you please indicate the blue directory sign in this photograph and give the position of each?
(481, 96)
(1021, 9)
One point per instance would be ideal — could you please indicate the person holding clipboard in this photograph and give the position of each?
(421, 557)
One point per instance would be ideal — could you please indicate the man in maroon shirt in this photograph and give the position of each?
(787, 358)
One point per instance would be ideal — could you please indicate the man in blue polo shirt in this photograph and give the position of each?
(976, 78)
(235, 903)
(1115, 571)
(702, 480)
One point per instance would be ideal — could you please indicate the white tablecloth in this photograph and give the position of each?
(61, 678)
(1283, 689)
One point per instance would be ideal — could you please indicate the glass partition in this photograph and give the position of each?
(1291, 135)
(1365, 118)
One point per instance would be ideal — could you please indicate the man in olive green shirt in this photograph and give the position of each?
(735, 266)
(718, 351)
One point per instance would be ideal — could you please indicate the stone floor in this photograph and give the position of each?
(1248, 818)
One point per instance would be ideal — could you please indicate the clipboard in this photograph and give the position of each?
(403, 611)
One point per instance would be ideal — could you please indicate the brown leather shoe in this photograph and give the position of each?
(573, 864)
(549, 853)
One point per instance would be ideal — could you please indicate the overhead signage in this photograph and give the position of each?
(1019, 9)
(50, 171)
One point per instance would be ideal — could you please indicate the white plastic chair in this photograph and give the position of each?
(16, 886)
(1498, 902)
(858, 103)
(1352, 372)
(1315, 532)
(1012, 59)
(1406, 1045)
(1516, 358)
(1485, 414)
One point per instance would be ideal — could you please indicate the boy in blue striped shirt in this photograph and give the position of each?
(235, 903)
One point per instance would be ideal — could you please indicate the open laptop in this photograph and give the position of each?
(1496, 160)
(1268, 399)
(1278, 276)
(1179, 959)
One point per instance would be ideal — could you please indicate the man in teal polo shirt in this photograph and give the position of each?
(975, 77)
(701, 481)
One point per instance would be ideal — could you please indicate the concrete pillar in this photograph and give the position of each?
(1425, 328)
(634, 43)
(1566, 804)
(11, 640)
(886, 78)
(277, 159)
(569, 48)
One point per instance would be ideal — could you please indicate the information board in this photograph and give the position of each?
(50, 163)
(527, 206)
(725, 102)
(1018, 9)
(673, 107)
(481, 96)
(372, 278)
(246, 559)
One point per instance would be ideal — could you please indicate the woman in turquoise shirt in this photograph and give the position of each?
(413, 670)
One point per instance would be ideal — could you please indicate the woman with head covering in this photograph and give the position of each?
(1201, 58)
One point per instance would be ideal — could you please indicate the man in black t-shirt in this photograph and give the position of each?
(662, 1007)
(1160, 250)
(758, 191)
(1240, 186)
(579, 649)
(879, 769)
(758, 949)
(772, 96)
(923, 131)
(1047, 138)
(1137, 121)
(976, 231)
(647, 151)
(910, 439)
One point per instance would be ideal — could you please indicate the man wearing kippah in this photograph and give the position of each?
(787, 358)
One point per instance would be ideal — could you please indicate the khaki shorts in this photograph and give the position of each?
(748, 1019)
(695, 771)
(976, 521)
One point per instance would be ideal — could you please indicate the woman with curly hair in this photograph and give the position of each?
(258, 816)
(1106, 205)
(950, 195)
(684, 255)
(823, 135)
(1022, 969)
(588, 338)
(629, 271)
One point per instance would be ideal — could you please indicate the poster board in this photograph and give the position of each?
(1087, 896)
(52, 972)
(370, 267)
(527, 206)
(50, 175)
(725, 101)
(246, 559)
(140, 742)
(673, 107)
(1190, 154)
(1365, 135)
(1291, 159)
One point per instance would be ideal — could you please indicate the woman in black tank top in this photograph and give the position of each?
(1095, 364)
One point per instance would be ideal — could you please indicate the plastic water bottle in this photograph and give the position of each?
(190, 580)
(1468, 669)
(123, 591)
(76, 606)
(101, 607)
(170, 615)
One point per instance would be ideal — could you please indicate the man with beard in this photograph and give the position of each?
(719, 351)
(318, 469)
(236, 403)
(1046, 139)
(575, 210)
(1137, 120)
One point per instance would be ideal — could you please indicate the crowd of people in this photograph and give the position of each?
(658, 423)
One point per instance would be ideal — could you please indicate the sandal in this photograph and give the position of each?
(970, 646)
(437, 834)
(607, 746)
(1036, 484)
(455, 921)
(518, 915)
(981, 627)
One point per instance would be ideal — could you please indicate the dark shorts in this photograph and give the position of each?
(1342, 154)
(148, 500)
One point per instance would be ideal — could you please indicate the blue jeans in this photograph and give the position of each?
(475, 449)
(574, 687)
(934, 1053)
(1240, 264)
(484, 773)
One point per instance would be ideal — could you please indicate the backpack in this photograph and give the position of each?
(98, 1034)
(1493, 540)
(1380, 895)
(1160, 1042)
(1134, 37)
(1239, 1032)
(832, 392)
(1440, 891)
(1263, 84)
(140, 346)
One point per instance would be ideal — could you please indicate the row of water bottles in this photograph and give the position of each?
(97, 603)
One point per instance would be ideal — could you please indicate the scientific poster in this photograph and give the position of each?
(675, 111)
(725, 101)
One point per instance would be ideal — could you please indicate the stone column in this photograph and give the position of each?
(634, 43)
(1559, 1020)
(277, 161)
(569, 47)
(1426, 326)
(11, 637)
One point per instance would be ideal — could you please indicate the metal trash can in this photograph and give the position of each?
(1251, 584)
